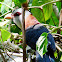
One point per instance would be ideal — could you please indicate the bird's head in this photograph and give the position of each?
(17, 16)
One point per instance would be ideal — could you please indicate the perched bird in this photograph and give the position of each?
(33, 31)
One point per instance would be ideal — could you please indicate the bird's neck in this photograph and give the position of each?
(30, 20)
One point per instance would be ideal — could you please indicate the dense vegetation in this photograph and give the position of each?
(47, 12)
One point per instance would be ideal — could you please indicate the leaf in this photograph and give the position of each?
(53, 20)
(4, 8)
(61, 58)
(41, 44)
(55, 54)
(46, 9)
(0, 0)
(0, 39)
(19, 2)
(58, 5)
(23, 1)
(15, 29)
(5, 35)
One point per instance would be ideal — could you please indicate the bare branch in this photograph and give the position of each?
(23, 31)
(58, 47)
(3, 57)
(5, 13)
(6, 5)
(41, 7)
(10, 57)
(15, 54)
(50, 3)
(54, 29)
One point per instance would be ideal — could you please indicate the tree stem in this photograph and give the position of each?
(23, 31)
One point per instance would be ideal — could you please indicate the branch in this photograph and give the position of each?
(58, 47)
(5, 13)
(4, 60)
(12, 47)
(23, 31)
(34, 7)
(15, 54)
(49, 3)
(10, 57)
(60, 18)
(49, 25)
(6, 5)
(41, 7)
(54, 29)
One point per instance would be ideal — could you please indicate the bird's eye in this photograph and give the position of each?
(17, 14)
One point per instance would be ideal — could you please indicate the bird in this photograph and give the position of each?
(33, 30)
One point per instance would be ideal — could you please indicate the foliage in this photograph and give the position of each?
(41, 44)
(47, 10)
(4, 8)
(19, 2)
(58, 5)
(5, 35)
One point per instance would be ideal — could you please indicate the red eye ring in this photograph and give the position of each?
(17, 14)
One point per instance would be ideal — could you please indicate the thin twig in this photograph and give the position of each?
(34, 7)
(10, 57)
(5, 13)
(58, 47)
(44, 4)
(54, 29)
(6, 5)
(49, 25)
(15, 54)
(50, 3)
(3, 56)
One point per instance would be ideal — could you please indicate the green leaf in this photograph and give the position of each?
(0, 39)
(4, 8)
(19, 2)
(58, 5)
(5, 35)
(41, 44)
(0, 0)
(56, 54)
(23, 1)
(46, 9)
(53, 20)
(15, 29)
(61, 58)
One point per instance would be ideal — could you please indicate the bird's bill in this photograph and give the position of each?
(11, 16)
(8, 16)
